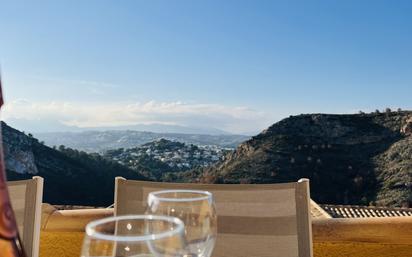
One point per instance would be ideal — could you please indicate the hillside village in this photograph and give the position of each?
(169, 156)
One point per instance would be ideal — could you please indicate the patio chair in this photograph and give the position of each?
(26, 199)
(266, 220)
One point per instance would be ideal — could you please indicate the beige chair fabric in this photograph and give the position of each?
(26, 198)
(270, 220)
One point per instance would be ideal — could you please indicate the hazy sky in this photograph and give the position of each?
(233, 65)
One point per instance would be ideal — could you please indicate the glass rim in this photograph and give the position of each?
(91, 231)
(206, 195)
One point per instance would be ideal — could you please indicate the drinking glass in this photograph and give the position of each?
(196, 209)
(135, 235)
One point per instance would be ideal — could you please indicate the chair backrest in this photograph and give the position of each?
(26, 198)
(270, 220)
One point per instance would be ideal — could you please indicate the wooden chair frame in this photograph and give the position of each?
(26, 199)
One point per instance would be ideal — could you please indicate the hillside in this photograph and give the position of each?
(71, 177)
(100, 141)
(350, 159)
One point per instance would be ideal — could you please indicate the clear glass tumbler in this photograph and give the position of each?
(135, 235)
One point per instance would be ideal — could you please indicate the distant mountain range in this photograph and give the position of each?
(99, 141)
(43, 126)
(349, 159)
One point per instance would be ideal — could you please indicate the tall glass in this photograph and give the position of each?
(135, 235)
(196, 209)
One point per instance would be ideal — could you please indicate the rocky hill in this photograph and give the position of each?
(71, 177)
(350, 159)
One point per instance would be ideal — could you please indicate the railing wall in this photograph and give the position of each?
(62, 234)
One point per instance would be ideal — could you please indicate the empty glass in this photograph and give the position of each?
(196, 209)
(135, 235)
